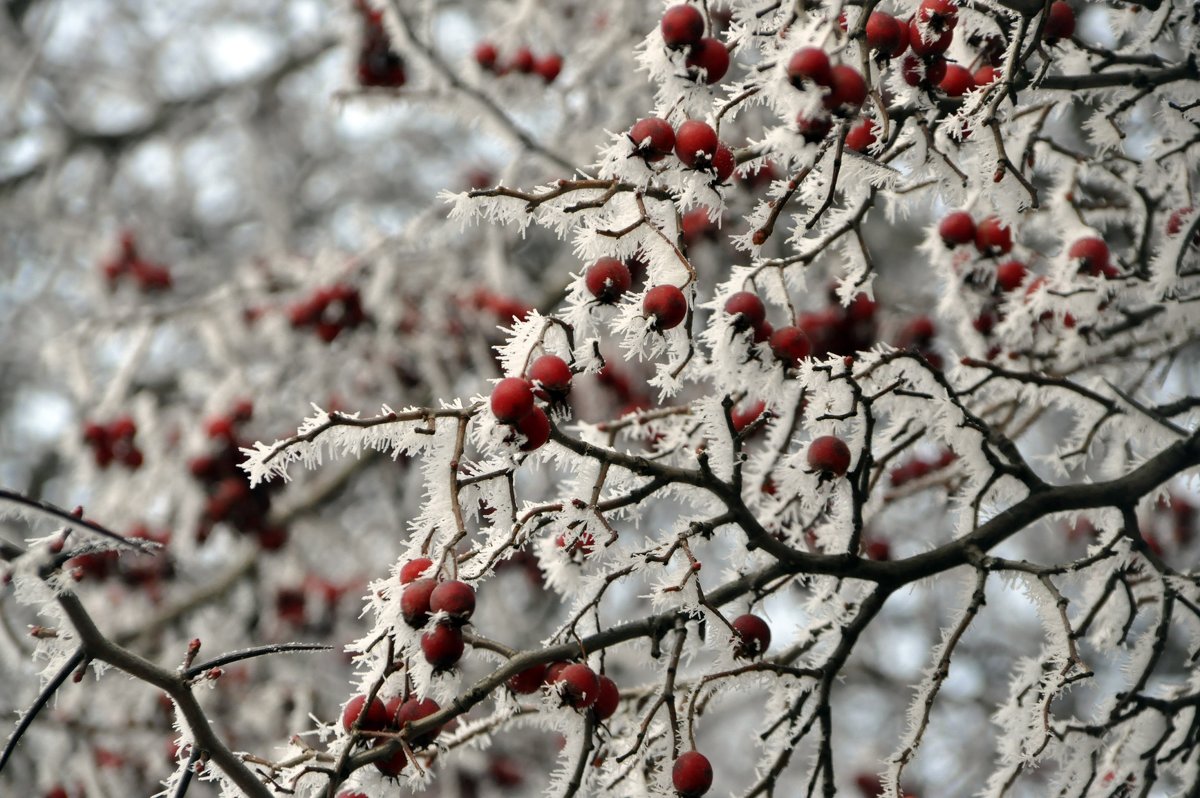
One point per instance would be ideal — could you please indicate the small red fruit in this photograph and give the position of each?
(654, 138)
(815, 128)
(1092, 254)
(754, 636)
(712, 57)
(847, 90)
(923, 71)
(548, 67)
(747, 310)
(884, 33)
(414, 602)
(486, 55)
(666, 305)
(692, 774)
(957, 228)
(932, 44)
(442, 646)
(607, 699)
(551, 375)
(695, 144)
(580, 685)
(527, 681)
(985, 75)
(957, 82)
(512, 400)
(392, 764)
(535, 426)
(1060, 22)
(861, 136)
(809, 64)
(682, 26)
(992, 237)
(522, 61)
(939, 14)
(374, 719)
(412, 711)
(790, 345)
(454, 598)
(1010, 275)
(412, 570)
(723, 163)
(607, 279)
(829, 454)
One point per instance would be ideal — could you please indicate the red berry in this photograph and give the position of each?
(790, 345)
(692, 774)
(667, 305)
(747, 310)
(695, 144)
(486, 55)
(374, 719)
(902, 42)
(682, 26)
(412, 711)
(927, 71)
(985, 75)
(535, 426)
(829, 454)
(861, 136)
(414, 602)
(607, 279)
(653, 138)
(742, 417)
(711, 56)
(412, 570)
(580, 685)
(869, 785)
(1010, 275)
(754, 636)
(528, 681)
(992, 237)
(957, 228)
(455, 598)
(1060, 22)
(583, 543)
(522, 61)
(918, 332)
(124, 428)
(1092, 254)
(847, 89)
(607, 699)
(813, 128)
(809, 64)
(442, 646)
(551, 376)
(931, 44)
(548, 66)
(723, 163)
(393, 763)
(939, 14)
(885, 33)
(512, 399)
(957, 82)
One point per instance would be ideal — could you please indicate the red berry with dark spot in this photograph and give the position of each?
(711, 56)
(666, 305)
(885, 33)
(1060, 22)
(486, 55)
(695, 144)
(829, 454)
(957, 228)
(551, 375)
(512, 400)
(813, 128)
(992, 237)
(1010, 275)
(413, 569)
(790, 345)
(535, 426)
(938, 14)
(442, 646)
(374, 719)
(927, 71)
(414, 602)
(847, 89)
(692, 774)
(957, 82)
(528, 681)
(412, 711)
(747, 310)
(607, 279)
(931, 44)
(580, 685)
(654, 138)
(548, 66)
(454, 598)
(809, 65)
(607, 699)
(754, 636)
(682, 26)
(1092, 254)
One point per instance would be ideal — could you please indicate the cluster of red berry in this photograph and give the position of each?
(329, 311)
(230, 498)
(144, 570)
(146, 275)
(523, 61)
(378, 63)
(443, 645)
(694, 143)
(682, 28)
(504, 308)
(513, 399)
(844, 90)
(113, 442)
(919, 467)
(359, 716)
